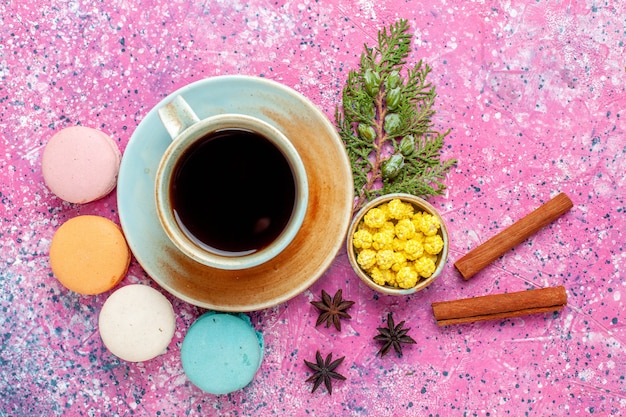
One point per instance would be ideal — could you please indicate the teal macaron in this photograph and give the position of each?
(221, 352)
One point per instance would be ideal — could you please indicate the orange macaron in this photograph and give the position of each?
(89, 254)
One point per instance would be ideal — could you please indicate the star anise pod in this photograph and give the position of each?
(332, 310)
(393, 335)
(324, 371)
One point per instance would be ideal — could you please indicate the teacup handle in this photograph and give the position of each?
(177, 116)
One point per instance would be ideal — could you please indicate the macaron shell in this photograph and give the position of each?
(80, 164)
(221, 353)
(89, 254)
(137, 323)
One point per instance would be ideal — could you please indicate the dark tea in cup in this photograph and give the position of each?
(232, 192)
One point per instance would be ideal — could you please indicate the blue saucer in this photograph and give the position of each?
(324, 227)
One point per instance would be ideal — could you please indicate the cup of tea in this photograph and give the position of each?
(231, 190)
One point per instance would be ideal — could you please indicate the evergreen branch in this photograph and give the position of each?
(385, 122)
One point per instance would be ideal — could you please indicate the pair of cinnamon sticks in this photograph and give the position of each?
(500, 306)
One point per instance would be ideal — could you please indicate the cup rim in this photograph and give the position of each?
(162, 190)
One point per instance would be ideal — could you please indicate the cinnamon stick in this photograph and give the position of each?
(489, 251)
(499, 306)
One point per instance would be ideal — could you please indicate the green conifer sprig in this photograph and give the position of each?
(385, 122)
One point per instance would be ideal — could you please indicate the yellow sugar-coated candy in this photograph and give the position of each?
(377, 276)
(382, 240)
(384, 259)
(433, 244)
(398, 209)
(429, 224)
(383, 276)
(405, 229)
(366, 259)
(399, 261)
(362, 239)
(413, 249)
(388, 227)
(398, 245)
(390, 277)
(431, 257)
(424, 266)
(419, 236)
(407, 277)
(375, 218)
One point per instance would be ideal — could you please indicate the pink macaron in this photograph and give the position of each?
(80, 164)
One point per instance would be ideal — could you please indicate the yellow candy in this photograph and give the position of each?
(377, 276)
(399, 210)
(390, 277)
(406, 277)
(413, 249)
(405, 229)
(399, 261)
(382, 240)
(419, 236)
(429, 225)
(375, 218)
(398, 245)
(388, 227)
(424, 266)
(366, 259)
(384, 259)
(362, 239)
(431, 257)
(433, 244)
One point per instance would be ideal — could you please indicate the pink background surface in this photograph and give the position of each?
(534, 94)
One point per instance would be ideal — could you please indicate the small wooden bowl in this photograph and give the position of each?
(420, 205)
